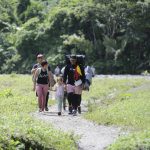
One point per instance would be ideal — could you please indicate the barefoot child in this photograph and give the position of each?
(59, 88)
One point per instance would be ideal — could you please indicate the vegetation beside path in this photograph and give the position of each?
(122, 102)
(18, 129)
(112, 101)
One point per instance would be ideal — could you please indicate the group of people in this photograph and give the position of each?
(70, 83)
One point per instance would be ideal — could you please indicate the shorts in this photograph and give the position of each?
(74, 89)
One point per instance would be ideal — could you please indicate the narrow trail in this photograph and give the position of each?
(91, 136)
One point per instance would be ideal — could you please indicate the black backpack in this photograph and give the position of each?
(80, 59)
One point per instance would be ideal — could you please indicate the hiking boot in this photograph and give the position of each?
(74, 113)
(40, 110)
(79, 110)
(46, 109)
(59, 113)
(70, 111)
(64, 107)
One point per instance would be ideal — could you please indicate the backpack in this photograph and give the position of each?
(80, 59)
(36, 66)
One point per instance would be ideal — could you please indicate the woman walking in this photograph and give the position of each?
(41, 81)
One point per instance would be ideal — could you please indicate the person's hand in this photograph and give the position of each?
(34, 70)
(33, 88)
(49, 88)
(83, 86)
(65, 87)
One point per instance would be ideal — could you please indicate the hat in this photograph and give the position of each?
(39, 55)
(73, 57)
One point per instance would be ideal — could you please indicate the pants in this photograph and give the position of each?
(76, 101)
(59, 102)
(74, 95)
(79, 100)
(70, 98)
(41, 90)
(47, 97)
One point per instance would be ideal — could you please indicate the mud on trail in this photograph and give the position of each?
(91, 136)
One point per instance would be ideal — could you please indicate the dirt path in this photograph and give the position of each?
(92, 136)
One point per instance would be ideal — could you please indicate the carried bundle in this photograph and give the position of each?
(80, 59)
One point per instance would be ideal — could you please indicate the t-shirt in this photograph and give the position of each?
(59, 90)
(57, 71)
(42, 77)
(36, 66)
(88, 73)
(63, 70)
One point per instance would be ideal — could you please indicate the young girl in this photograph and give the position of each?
(59, 95)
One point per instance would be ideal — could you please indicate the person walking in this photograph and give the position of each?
(65, 91)
(40, 58)
(41, 79)
(88, 77)
(59, 95)
(57, 71)
(93, 70)
(74, 78)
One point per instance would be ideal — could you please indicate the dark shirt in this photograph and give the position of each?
(43, 77)
(69, 74)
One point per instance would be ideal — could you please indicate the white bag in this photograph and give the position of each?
(78, 82)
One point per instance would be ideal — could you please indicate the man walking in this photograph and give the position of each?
(74, 77)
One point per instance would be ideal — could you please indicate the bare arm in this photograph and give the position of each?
(53, 88)
(34, 68)
(51, 79)
(34, 80)
(33, 71)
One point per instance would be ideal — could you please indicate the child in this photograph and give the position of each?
(59, 95)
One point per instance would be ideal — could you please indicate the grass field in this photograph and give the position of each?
(18, 129)
(122, 102)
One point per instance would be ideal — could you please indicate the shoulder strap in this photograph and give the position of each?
(39, 71)
(33, 77)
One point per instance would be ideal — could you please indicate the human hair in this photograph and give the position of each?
(60, 79)
(44, 62)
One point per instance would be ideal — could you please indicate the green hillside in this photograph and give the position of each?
(113, 34)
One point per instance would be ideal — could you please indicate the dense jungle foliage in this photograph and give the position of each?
(113, 34)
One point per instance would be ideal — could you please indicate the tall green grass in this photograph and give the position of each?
(18, 128)
(126, 103)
